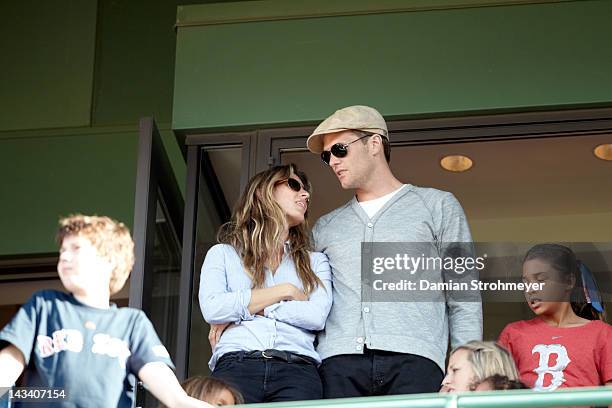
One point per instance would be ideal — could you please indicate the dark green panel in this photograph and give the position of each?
(43, 178)
(410, 63)
(47, 63)
(175, 155)
(135, 61)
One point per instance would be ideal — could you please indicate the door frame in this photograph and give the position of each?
(194, 145)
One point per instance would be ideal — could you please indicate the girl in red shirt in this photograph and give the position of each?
(566, 344)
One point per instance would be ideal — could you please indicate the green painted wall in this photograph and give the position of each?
(135, 60)
(418, 63)
(44, 178)
(78, 76)
(47, 63)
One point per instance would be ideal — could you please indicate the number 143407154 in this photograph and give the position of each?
(34, 394)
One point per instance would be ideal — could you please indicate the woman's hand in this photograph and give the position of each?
(292, 292)
(264, 297)
(216, 330)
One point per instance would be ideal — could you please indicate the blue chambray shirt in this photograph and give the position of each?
(225, 293)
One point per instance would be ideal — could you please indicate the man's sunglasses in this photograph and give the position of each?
(293, 184)
(339, 150)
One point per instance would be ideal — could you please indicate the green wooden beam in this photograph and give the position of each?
(267, 10)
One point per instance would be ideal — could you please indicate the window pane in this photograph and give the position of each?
(219, 189)
(165, 284)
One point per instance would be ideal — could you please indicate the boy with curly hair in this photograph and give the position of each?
(81, 343)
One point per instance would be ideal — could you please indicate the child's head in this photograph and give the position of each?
(475, 361)
(558, 269)
(499, 382)
(94, 251)
(212, 390)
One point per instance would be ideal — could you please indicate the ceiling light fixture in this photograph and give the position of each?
(456, 163)
(603, 151)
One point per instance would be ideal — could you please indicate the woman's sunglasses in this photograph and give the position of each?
(339, 150)
(293, 184)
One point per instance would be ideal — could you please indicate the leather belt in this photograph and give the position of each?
(281, 355)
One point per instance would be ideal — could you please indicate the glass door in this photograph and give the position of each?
(218, 168)
(158, 224)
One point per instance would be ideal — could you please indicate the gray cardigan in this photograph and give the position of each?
(414, 214)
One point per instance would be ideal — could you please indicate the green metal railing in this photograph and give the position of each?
(586, 396)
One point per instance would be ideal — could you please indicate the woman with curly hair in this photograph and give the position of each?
(266, 294)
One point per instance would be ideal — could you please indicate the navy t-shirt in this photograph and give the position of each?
(93, 354)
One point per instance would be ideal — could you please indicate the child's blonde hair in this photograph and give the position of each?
(208, 388)
(205, 388)
(487, 359)
(111, 238)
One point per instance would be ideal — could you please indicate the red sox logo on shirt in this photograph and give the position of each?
(556, 370)
(64, 339)
(72, 340)
(112, 347)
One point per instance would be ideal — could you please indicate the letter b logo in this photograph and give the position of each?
(556, 371)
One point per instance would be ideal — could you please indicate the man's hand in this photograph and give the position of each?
(216, 330)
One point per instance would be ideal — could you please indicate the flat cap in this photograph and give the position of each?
(357, 117)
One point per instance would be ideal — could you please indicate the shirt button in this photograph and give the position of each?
(366, 309)
(357, 348)
(359, 340)
(370, 225)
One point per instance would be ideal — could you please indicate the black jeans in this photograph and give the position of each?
(269, 380)
(378, 372)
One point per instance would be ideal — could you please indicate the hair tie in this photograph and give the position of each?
(591, 292)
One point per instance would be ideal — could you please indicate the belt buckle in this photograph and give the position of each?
(264, 355)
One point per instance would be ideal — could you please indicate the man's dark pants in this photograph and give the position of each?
(378, 372)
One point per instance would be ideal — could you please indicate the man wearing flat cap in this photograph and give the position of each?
(380, 348)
